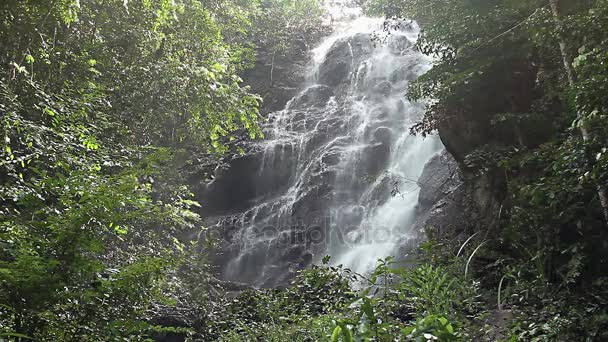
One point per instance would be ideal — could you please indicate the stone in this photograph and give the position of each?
(315, 96)
(404, 73)
(397, 44)
(384, 88)
(383, 135)
(376, 158)
(439, 176)
(338, 64)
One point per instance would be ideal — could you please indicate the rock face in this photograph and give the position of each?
(441, 201)
(482, 127)
(278, 78)
(343, 57)
(321, 182)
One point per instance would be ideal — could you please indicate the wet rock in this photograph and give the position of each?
(382, 191)
(331, 159)
(294, 253)
(306, 259)
(376, 158)
(398, 44)
(404, 73)
(338, 64)
(363, 45)
(440, 175)
(312, 202)
(443, 197)
(383, 135)
(315, 96)
(233, 188)
(384, 88)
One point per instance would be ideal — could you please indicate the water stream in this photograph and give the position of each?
(342, 159)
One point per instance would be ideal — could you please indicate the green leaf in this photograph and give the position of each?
(48, 111)
(120, 230)
(368, 309)
(335, 336)
(13, 334)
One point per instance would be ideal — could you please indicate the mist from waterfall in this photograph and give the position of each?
(341, 159)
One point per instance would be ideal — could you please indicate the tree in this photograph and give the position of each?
(100, 101)
(283, 28)
(601, 190)
(516, 95)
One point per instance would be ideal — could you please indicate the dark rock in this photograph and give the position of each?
(335, 72)
(404, 73)
(338, 64)
(384, 88)
(233, 188)
(331, 159)
(383, 135)
(440, 176)
(362, 44)
(315, 96)
(313, 200)
(398, 44)
(294, 253)
(376, 158)
(441, 200)
(306, 260)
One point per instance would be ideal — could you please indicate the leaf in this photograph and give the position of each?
(335, 336)
(368, 309)
(120, 230)
(13, 334)
(408, 330)
(20, 69)
(348, 336)
(48, 111)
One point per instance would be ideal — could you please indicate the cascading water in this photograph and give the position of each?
(338, 169)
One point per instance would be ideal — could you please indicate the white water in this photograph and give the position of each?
(386, 225)
(341, 156)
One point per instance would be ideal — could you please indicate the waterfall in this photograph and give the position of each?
(338, 168)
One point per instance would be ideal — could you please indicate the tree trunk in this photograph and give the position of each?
(601, 190)
(272, 69)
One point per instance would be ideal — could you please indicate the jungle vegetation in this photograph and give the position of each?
(108, 107)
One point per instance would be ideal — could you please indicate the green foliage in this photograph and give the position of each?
(106, 105)
(283, 26)
(303, 311)
(334, 304)
(392, 298)
(436, 290)
(499, 74)
(102, 103)
(431, 328)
